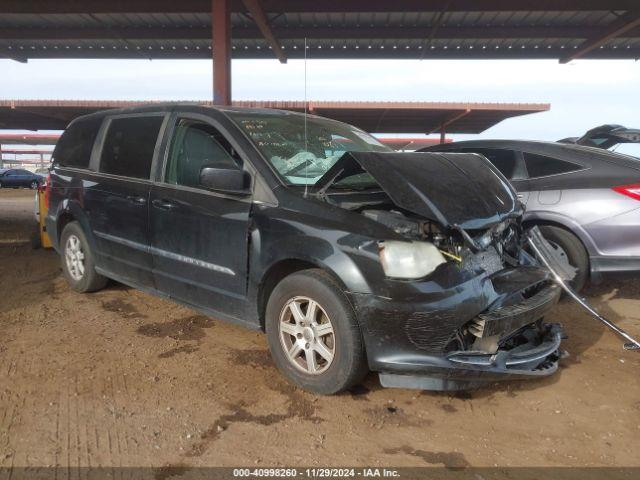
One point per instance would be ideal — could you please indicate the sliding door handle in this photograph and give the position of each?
(137, 200)
(163, 204)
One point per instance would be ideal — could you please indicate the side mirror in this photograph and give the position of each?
(227, 180)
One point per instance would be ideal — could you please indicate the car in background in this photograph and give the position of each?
(17, 178)
(586, 200)
(610, 137)
(606, 136)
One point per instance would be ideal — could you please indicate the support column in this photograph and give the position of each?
(443, 134)
(221, 51)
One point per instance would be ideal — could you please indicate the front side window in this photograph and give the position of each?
(196, 145)
(300, 150)
(129, 145)
(543, 166)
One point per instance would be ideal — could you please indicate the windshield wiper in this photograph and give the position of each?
(322, 192)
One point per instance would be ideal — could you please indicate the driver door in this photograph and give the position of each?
(199, 238)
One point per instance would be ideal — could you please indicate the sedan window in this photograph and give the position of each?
(503, 160)
(543, 166)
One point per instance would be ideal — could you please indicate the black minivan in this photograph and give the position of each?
(350, 256)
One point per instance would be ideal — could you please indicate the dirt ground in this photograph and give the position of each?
(121, 378)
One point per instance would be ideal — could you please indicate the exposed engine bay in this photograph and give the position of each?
(500, 245)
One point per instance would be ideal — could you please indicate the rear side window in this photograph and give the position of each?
(73, 149)
(542, 166)
(129, 145)
(503, 160)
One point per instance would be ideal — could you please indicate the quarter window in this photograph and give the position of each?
(129, 146)
(196, 145)
(542, 166)
(74, 147)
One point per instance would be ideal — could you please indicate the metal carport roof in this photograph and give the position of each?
(558, 29)
(375, 117)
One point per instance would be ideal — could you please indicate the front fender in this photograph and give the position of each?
(267, 251)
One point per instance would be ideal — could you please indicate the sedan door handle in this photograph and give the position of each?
(137, 200)
(163, 204)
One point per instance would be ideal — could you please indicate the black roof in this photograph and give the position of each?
(552, 149)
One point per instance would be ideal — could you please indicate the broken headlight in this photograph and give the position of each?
(409, 260)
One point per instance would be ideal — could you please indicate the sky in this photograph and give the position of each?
(582, 94)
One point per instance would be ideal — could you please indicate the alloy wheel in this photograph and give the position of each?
(307, 335)
(74, 257)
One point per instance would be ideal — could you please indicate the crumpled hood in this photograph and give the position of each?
(453, 189)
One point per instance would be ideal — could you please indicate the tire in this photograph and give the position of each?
(33, 185)
(85, 279)
(35, 239)
(574, 250)
(348, 364)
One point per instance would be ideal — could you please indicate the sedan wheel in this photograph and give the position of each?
(571, 250)
(307, 335)
(33, 185)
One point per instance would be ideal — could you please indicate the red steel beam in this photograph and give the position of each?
(449, 120)
(625, 23)
(262, 22)
(27, 152)
(221, 50)
(28, 139)
(311, 6)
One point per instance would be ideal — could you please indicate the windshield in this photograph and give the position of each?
(302, 159)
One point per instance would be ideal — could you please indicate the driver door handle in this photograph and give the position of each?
(163, 204)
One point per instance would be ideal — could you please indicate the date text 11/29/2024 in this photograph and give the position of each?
(316, 472)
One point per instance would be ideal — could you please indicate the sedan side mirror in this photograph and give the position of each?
(226, 180)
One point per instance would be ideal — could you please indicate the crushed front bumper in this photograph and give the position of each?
(467, 370)
(416, 344)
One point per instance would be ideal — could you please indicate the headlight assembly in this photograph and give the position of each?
(409, 259)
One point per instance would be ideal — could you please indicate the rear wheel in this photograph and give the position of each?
(78, 260)
(33, 185)
(570, 247)
(313, 334)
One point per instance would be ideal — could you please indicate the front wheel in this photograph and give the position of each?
(78, 260)
(313, 334)
(33, 185)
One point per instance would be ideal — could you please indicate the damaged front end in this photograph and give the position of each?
(477, 315)
(477, 318)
